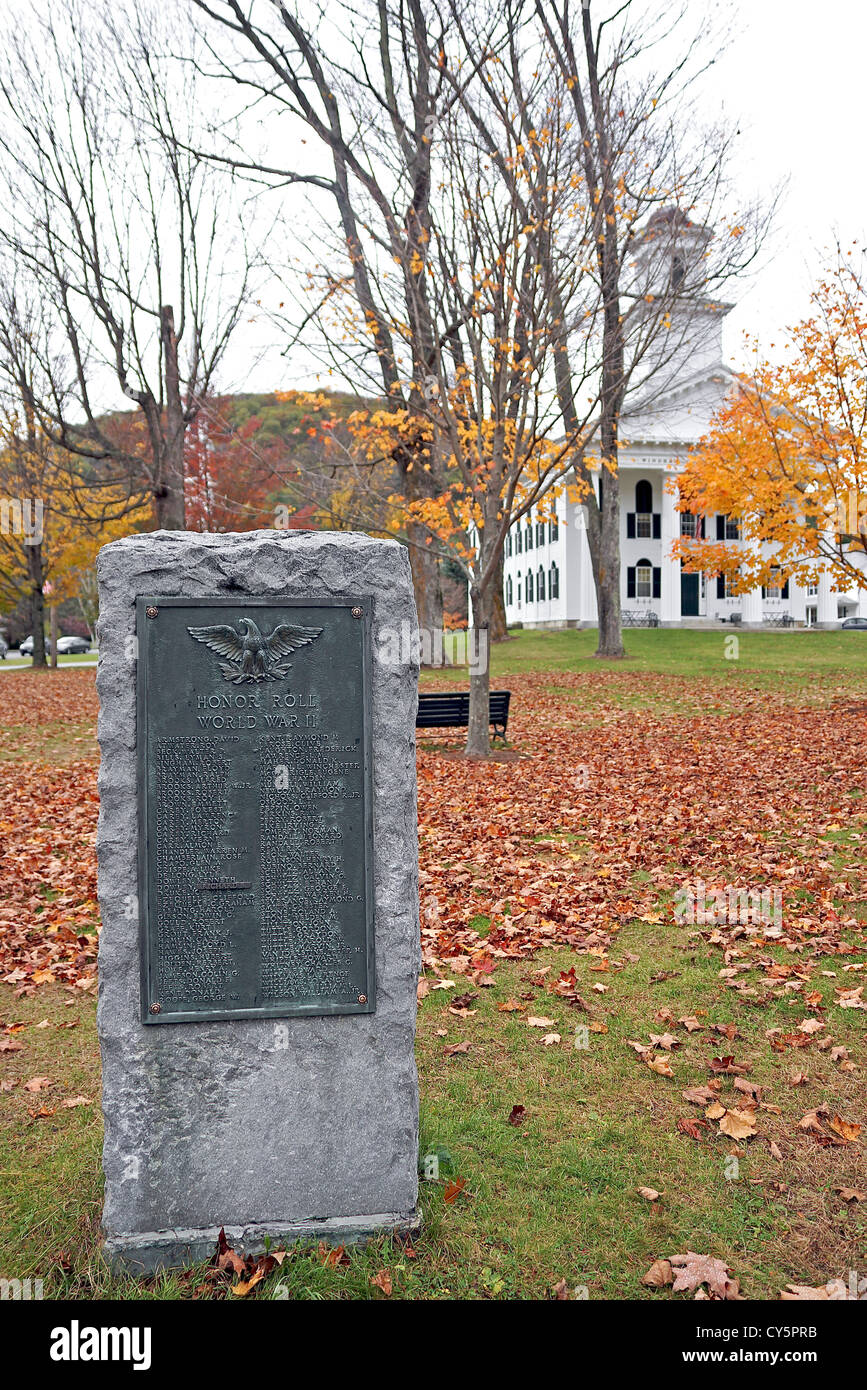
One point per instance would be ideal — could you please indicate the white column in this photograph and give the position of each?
(669, 530)
(752, 609)
(797, 601)
(587, 589)
(826, 603)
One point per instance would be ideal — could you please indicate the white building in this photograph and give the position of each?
(547, 572)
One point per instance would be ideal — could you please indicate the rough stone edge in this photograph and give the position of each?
(151, 1251)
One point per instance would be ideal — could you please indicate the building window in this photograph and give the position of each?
(643, 510)
(508, 544)
(776, 589)
(644, 523)
(812, 591)
(644, 580)
(540, 533)
(553, 582)
(690, 525)
(518, 539)
(553, 528)
(725, 586)
(540, 584)
(509, 591)
(728, 528)
(528, 542)
(529, 586)
(519, 591)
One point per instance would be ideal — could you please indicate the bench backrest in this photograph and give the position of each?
(453, 707)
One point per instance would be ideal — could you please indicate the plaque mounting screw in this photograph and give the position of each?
(156, 1008)
(362, 998)
(357, 612)
(152, 611)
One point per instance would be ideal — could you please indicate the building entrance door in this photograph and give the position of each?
(688, 595)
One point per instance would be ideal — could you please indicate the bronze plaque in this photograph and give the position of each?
(255, 808)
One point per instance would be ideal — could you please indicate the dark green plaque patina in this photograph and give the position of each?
(256, 837)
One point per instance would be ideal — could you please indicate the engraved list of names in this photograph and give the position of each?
(255, 833)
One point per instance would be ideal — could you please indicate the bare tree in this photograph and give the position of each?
(365, 81)
(499, 426)
(487, 421)
(655, 179)
(128, 239)
(377, 83)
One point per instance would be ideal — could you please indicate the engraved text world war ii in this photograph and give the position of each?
(259, 892)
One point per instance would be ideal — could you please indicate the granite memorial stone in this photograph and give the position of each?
(259, 891)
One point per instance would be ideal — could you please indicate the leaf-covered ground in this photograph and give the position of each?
(579, 1039)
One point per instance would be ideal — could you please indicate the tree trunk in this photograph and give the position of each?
(426, 584)
(169, 492)
(52, 618)
(37, 603)
(498, 631)
(606, 574)
(478, 731)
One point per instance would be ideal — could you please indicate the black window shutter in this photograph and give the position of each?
(630, 581)
(784, 592)
(657, 526)
(630, 526)
(720, 582)
(657, 581)
(720, 529)
(764, 592)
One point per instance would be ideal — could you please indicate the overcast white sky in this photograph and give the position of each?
(794, 79)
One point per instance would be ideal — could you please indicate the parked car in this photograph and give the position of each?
(856, 624)
(66, 646)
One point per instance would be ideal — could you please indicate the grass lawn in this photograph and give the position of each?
(778, 660)
(17, 663)
(627, 778)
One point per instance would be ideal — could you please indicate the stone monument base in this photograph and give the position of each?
(150, 1251)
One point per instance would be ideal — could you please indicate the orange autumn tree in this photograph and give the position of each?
(76, 515)
(486, 428)
(497, 466)
(787, 455)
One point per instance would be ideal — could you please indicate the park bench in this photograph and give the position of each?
(630, 617)
(451, 710)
